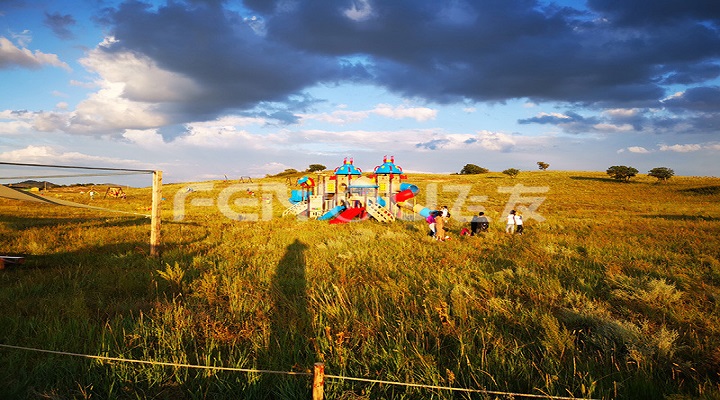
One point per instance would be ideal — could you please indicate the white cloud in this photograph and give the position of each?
(141, 78)
(267, 168)
(132, 93)
(418, 113)
(338, 117)
(148, 138)
(14, 127)
(638, 150)
(681, 148)
(53, 155)
(360, 10)
(605, 127)
(675, 95)
(343, 116)
(621, 112)
(12, 56)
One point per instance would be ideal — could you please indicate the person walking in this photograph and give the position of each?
(510, 226)
(518, 224)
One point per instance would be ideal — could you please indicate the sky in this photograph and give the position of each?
(207, 89)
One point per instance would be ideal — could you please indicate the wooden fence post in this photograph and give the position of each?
(318, 390)
(155, 214)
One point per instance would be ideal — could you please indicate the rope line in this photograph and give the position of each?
(417, 385)
(263, 371)
(166, 364)
(143, 171)
(68, 176)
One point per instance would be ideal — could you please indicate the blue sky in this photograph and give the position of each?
(207, 89)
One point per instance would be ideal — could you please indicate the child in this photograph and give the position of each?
(510, 227)
(431, 223)
(518, 224)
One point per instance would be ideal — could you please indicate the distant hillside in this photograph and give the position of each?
(33, 184)
(45, 184)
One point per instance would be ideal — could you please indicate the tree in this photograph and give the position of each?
(512, 172)
(472, 169)
(661, 173)
(622, 172)
(316, 167)
(543, 165)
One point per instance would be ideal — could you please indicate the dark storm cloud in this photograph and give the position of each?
(705, 99)
(235, 66)
(658, 12)
(60, 24)
(611, 54)
(691, 74)
(501, 49)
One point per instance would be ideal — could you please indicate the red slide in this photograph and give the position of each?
(347, 215)
(404, 195)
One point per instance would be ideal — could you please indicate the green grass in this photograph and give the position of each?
(613, 295)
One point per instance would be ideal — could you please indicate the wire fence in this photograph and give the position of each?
(307, 374)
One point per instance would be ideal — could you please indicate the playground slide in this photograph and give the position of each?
(332, 213)
(403, 195)
(409, 186)
(408, 191)
(417, 208)
(347, 215)
(297, 196)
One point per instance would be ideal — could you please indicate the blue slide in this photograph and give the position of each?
(332, 213)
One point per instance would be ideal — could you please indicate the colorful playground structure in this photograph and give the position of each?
(347, 194)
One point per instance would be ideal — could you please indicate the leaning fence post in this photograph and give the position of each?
(318, 381)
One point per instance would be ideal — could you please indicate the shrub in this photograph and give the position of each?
(661, 173)
(472, 169)
(512, 172)
(622, 172)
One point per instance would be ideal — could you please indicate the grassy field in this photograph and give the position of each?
(612, 292)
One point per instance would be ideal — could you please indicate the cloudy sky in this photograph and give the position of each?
(203, 89)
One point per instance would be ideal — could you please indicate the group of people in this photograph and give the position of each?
(514, 223)
(479, 223)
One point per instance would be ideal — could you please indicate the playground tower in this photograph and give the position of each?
(388, 177)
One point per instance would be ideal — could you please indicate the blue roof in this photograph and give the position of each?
(348, 168)
(388, 167)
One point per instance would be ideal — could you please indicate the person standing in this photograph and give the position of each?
(440, 227)
(510, 226)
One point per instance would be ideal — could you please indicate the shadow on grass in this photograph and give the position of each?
(683, 217)
(290, 328)
(704, 190)
(598, 179)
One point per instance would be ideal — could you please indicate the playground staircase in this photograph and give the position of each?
(296, 208)
(378, 212)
